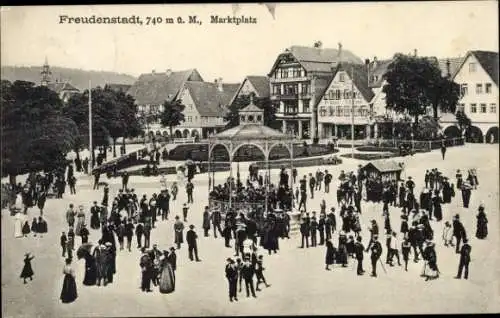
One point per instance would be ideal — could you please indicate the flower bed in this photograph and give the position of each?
(370, 156)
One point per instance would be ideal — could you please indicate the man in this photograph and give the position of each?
(232, 278)
(248, 271)
(410, 185)
(72, 184)
(84, 233)
(97, 175)
(464, 260)
(405, 250)
(191, 237)
(216, 221)
(319, 179)
(376, 250)
(189, 191)
(64, 241)
(147, 233)
(304, 231)
(129, 233)
(312, 184)
(164, 200)
(328, 180)
(458, 232)
(294, 175)
(303, 199)
(313, 227)
(70, 215)
(146, 264)
(358, 251)
(139, 231)
(321, 228)
(125, 178)
(185, 210)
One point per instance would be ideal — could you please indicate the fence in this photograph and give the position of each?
(416, 144)
(189, 140)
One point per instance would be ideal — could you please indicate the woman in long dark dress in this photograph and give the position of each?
(482, 224)
(26, 229)
(34, 226)
(27, 271)
(68, 292)
(436, 206)
(167, 276)
(90, 278)
(330, 254)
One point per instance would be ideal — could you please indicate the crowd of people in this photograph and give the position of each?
(247, 228)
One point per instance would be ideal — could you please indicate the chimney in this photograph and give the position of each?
(448, 73)
(168, 72)
(219, 84)
(340, 53)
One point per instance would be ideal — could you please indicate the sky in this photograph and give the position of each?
(229, 51)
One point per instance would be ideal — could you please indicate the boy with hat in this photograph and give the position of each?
(191, 237)
(232, 278)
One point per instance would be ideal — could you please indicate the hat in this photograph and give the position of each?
(172, 248)
(191, 226)
(373, 221)
(457, 216)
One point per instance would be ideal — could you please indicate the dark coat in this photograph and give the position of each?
(482, 225)
(191, 237)
(330, 253)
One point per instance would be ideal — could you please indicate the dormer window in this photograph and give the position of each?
(250, 119)
(242, 119)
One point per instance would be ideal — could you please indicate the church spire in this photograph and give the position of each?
(46, 73)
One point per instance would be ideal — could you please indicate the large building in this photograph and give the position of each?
(256, 85)
(336, 104)
(477, 75)
(298, 79)
(151, 90)
(206, 104)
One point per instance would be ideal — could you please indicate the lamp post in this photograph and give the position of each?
(352, 111)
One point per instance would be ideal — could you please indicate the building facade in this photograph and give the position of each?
(348, 91)
(297, 81)
(478, 79)
(63, 88)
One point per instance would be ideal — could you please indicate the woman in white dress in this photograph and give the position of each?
(80, 220)
(18, 224)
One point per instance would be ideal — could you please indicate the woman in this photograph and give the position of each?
(482, 224)
(27, 269)
(430, 266)
(95, 222)
(26, 228)
(167, 277)
(18, 225)
(90, 278)
(323, 207)
(80, 221)
(68, 292)
(330, 254)
(436, 206)
(34, 226)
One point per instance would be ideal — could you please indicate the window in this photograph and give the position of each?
(305, 88)
(479, 88)
(331, 111)
(483, 108)
(472, 67)
(306, 107)
(487, 88)
(340, 111)
(259, 118)
(322, 111)
(337, 94)
(277, 89)
(190, 119)
(242, 119)
(463, 89)
(493, 108)
(461, 108)
(473, 108)
(341, 77)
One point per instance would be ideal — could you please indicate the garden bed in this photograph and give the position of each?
(370, 156)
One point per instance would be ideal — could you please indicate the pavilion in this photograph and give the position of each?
(250, 131)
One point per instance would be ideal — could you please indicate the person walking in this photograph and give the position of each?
(129, 233)
(216, 221)
(304, 231)
(259, 268)
(376, 251)
(191, 237)
(206, 221)
(27, 271)
(443, 149)
(178, 232)
(482, 224)
(189, 191)
(458, 232)
(70, 215)
(68, 292)
(232, 278)
(464, 260)
(359, 250)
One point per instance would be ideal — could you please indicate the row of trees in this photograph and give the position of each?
(414, 83)
(38, 130)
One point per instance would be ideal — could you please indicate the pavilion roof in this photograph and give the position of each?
(251, 132)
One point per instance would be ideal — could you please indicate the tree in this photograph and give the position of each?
(36, 135)
(411, 82)
(233, 119)
(444, 95)
(172, 114)
(428, 128)
(464, 122)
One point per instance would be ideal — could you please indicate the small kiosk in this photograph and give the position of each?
(387, 170)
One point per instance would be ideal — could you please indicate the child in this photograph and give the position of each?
(26, 229)
(405, 249)
(447, 234)
(258, 272)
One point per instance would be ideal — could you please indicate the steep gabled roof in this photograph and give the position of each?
(360, 78)
(455, 63)
(261, 85)
(318, 60)
(321, 85)
(488, 61)
(156, 88)
(59, 87)
(377, 70)
(208, 99)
